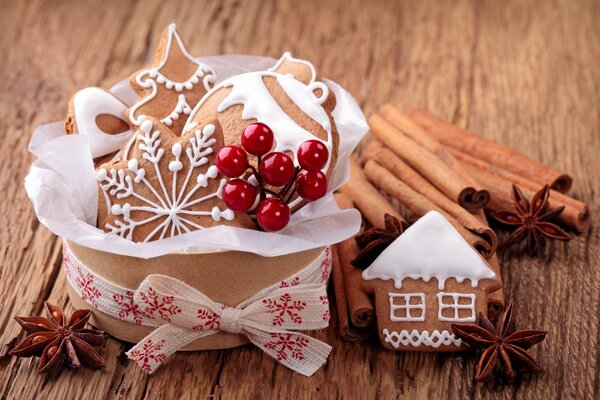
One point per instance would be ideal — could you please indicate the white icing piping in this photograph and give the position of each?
(88, 104)
(424, 338)
(250, 91)
(456, 307)
(150, 78)
(287, 56)
(172, 204)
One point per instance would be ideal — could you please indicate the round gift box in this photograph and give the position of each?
(227, 277)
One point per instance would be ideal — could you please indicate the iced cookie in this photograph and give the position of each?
(166, 186)
(100, 115)
(426, 280)
(294, 104)
(171, 87)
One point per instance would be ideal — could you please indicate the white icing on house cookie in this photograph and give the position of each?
(431, 248)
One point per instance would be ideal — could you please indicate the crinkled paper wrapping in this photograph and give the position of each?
(64, 191)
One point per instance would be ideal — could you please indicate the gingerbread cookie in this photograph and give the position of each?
(426, 280)
(172, 86)
(100, 115)
(166, 185)
(296, 110)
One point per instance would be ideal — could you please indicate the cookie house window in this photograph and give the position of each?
(456, 307)
(407, 306)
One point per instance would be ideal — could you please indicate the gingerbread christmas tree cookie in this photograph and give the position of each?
(165, 185)
(171, 87)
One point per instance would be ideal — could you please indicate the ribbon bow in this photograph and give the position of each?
(184, 314)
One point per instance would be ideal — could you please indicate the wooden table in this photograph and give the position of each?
(524, 73)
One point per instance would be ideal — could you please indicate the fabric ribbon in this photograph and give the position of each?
(182, 314)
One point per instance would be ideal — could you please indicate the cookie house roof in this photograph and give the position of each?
(430, 248)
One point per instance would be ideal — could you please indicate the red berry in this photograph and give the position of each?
(238, 195)
(311, 185)
(313, 155)
(273, 214)
(257, 139)
(277, 169)
(232, 161)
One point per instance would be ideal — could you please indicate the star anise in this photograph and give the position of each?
(503, 346)
(373, 241)
(532, 219)
(56, 339)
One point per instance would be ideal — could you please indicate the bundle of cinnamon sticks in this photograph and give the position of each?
(422, 163)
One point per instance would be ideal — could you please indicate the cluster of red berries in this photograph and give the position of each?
(275, 170)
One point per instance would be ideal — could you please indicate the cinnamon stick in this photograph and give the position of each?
(362, 309)
(500, 188)
(492, 152)
(369, 201)
(348, 330)
(419, 204)
(372, 147)
(428, 165)
(421, 136)
(410, 177)
(518, 180)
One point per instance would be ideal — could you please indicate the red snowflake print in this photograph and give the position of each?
(293, 282)
(325, 301)
(326, 265)
(66, 260)
(164, 306)
(285, 306)
(87, 290)
(209, 319)
(129, 309)
(149, 354)
(287, 344)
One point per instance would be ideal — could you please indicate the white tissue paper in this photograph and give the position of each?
(64, 192)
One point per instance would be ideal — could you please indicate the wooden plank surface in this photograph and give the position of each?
(523, 72)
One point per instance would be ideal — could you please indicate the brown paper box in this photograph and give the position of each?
(227, 277)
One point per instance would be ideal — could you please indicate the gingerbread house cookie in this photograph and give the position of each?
(426, 280)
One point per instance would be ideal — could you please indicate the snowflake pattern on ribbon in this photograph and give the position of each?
(164, 306)
(325, 302)
(290, 282)
(129, 309)
(287, 344)
(209, 320)
(284, 307)
(87, 290)
(149, 355)
(326, 265)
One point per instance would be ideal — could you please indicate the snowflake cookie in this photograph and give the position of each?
(165, 185)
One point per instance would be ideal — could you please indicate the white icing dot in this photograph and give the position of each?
(115, 209)
(212, 171)
(208, 129)
(227, 214)
(189, 85)
(176, 149)
(133, 165)
(153, 73)
(160, 79)
(175, 166)
(101, 174)
(202, 180)
(215, 213)
(146, 126)
(169, 85)
(179, 87)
